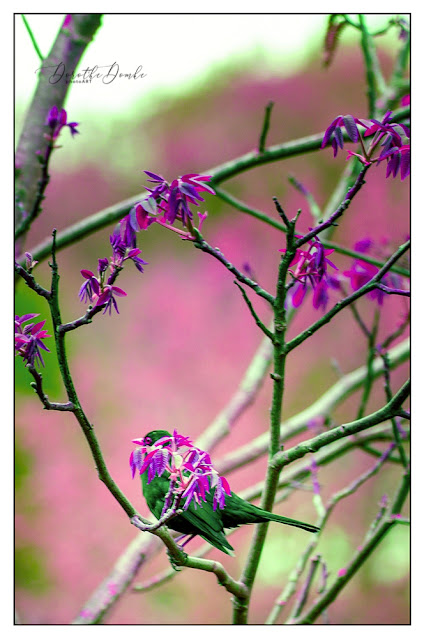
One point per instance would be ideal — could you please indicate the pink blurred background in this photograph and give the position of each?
(176, 352)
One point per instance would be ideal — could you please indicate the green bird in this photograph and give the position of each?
(202, 519)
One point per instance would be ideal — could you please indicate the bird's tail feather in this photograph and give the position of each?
(290, 522)
(220, 542)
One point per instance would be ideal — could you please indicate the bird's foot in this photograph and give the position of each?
(181, 537)
(176, 566)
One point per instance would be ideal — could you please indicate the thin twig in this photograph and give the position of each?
(201, 244)
(138, 523)
(258, 321)
(281, 213)
(290, 588)
(393, 291)
(312, 203)
(259, 215)
(376, 85)
(372, 540)
(32, 38)
(30, 281)
(37, 385)
(331, 220)
(265, 127)
(303, 595)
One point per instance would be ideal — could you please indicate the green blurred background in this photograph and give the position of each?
(183, 339)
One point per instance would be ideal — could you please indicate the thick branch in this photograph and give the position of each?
(324, 405)
(219, 174)
(391, 409)
(68, 49)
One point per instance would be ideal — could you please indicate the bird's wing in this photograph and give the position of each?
(155, 493)
(203, 520)
(208, 524)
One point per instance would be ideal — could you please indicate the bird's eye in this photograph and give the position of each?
(147, 440)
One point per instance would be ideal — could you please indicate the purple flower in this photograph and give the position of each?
(364, 245)
(222, 487)
(174, 200)
(164, 204)
(134, 256)
(101, 291)
(155, 462)
(359, 274)
(94, 290)
(183, 440)
(142, 215)
(107, 297)
(136, 460)
(397, 158)
(28, 339)
(311, 271)
(388, 136)
(189, 468)
(123, 236)
(334, 133)
(89, 288)
(124, 250)
(196, 489)
(29, 262)
(155, 178)
(388, 133)
(362, 272)
(320, 297)
(56, 120)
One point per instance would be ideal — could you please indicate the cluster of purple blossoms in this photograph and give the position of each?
(166, 203)
(173, 200)
(56, 120)
(362, 272)
(393, 140)
(98, 293)
(98, 290)
(190, 468)
(334, 133)
(29, 339)
(124, 248)
(311, 271)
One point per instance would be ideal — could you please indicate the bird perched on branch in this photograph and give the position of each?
(175, 475)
